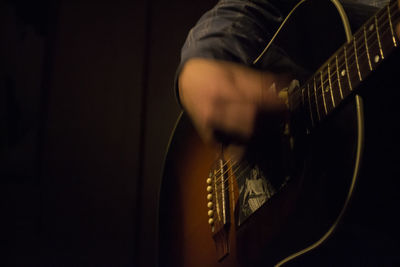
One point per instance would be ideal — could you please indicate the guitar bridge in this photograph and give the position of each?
(218, 203)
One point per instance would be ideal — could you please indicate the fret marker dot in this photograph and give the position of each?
(376, 59)
(343, 73)
(371, 27)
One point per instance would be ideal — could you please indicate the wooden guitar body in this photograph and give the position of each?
(305, 213)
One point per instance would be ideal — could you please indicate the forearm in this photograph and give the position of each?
(225, 96)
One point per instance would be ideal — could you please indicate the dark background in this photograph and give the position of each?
(86, 110)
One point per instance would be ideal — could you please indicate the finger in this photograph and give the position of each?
(270, 99)
(234, 153)
(234, 121)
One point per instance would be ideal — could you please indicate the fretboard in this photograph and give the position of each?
(350, 65)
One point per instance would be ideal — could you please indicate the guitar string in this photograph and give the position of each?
(221, 175)
(239, 177)
(351, 55)
(351, 52)
(239, 165)
(320, 87)
(362, 52)
(318, 92)
(328, 80)
(362, 48)
(232, 164)
(230, 168)
(297, 96)
(233, 173)
(230, 183)
(362, 37)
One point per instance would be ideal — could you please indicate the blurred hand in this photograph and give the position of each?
(224, 98)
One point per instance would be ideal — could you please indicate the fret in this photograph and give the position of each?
(352, 69)
(353, 76)
(356, 59)
(356, 56)
(338, 77)
(323, 93)
(334, 82)
(316, 100)
(373, 46)
(327, 90)
(347, 69)
(335, 91)
(330, 84)
(361, 54)
(367, 48)
(344, 74)
(378, 37)
(391, 26)
(305, 107)
(387, 44)
(309, 103)
(386, 30)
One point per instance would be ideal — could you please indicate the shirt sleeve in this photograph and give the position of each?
(234, 30)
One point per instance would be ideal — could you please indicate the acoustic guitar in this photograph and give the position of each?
(330, 173)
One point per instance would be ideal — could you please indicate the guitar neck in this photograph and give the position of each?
(343, 72)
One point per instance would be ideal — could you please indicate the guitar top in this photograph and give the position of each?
(325, 185)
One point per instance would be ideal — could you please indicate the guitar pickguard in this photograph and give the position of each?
(254, 191)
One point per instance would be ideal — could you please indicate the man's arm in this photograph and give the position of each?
(217, 87)
(224, 97)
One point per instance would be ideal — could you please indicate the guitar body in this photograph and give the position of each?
(302, 217)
